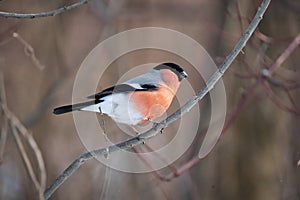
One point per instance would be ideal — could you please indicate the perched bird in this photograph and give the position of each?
(137, 100)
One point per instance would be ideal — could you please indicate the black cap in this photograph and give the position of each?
(174, 68)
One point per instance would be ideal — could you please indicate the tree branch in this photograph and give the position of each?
(285, 54)
(4, 124)
(29, 51)
(43, 14)
(17, 129)
(157, 127)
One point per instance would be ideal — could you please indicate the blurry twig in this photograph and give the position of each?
(140, 139)
(3, 136)
(37, 153)
(24, 156)
(277, 101)
(268, 39)
(154, 173)
(106, 183)
(3, 133)
(283, 85)
(29, 51)
(18, 129)
(285, 54)
(267, 73)
(182, 169)
(237, 5)
(171, 166)
(43, 14)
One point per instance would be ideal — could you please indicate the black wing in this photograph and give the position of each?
(122, 88)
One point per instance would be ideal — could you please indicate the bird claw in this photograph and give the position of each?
(161, 130)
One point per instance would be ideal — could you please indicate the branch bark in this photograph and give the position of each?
(43, 14)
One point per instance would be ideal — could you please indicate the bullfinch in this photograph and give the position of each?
(137, 100)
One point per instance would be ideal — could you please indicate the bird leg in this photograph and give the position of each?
(102, 124)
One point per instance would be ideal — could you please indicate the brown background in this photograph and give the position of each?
(256, 157)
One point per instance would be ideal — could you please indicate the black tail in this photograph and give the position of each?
(78, 106)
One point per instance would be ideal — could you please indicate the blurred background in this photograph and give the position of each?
(257, 154)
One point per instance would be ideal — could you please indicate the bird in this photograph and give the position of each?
(138, 100)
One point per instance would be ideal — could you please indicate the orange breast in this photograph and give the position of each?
(152, 104)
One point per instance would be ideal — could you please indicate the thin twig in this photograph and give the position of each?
(182, 169)
(43, 14)
(285, 54)
(237, 5)
(37, 153)
(154, 173)
(277, 101)
(2, 91)
(24, 156)
(3, 137)
(106, 183)
(292, 100)
(282, 85)
(159, 156)
(29, 51)
(102, 124)
(17, 128)
(4, 126)
(240, 105)
(157, 127)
